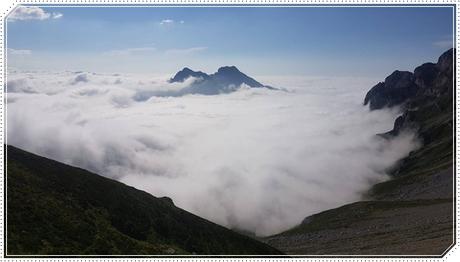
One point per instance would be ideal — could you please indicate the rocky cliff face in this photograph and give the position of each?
(397, 88)
(428, 80)
(434, 98)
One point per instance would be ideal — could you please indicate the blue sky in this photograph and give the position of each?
(313, 41)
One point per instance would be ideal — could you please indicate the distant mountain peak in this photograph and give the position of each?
(228, 69)
(226, 79)
(185, 73)
(230, 75)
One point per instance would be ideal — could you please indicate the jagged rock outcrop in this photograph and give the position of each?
(425, 75)
(397, 88)
(401, 87)
(433, 97)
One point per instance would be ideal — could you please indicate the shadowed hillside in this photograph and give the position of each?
(53, 208)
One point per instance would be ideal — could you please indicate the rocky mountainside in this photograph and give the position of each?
(227, 79)
(397, 88)
(411, 214)
(53, 208)
(428, 81)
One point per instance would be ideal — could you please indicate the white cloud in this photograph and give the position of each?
(185, 51)
(12, 51)
(167, 22)
(130, 51)
(170, 22)
(32, 13)
(255, 159)
(144, 50)
(57, 15)
(444, 44)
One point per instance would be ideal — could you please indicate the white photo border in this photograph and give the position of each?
(7, 6)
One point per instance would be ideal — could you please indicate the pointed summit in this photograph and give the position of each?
(185, 73)
(230, 75)
(228, 69)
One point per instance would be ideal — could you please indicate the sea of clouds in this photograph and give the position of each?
(258, 160)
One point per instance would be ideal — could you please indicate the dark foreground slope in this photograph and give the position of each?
(53, 208)
(411, 214)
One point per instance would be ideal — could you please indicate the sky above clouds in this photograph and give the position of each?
(314, 41)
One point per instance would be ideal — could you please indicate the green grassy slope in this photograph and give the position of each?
(53, 208)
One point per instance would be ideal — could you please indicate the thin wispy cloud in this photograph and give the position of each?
(57, 15)
(167, 22)
(23, 13)
(144, 50)
(130, 51)
(444, 44)
(12, 51)
(186, 51)
(170, 22)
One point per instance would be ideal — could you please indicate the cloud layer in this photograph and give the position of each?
(256, 159)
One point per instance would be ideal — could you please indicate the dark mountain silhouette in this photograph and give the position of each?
(397, 88)
(230, 75)
(427, 80)
(55, 208)
(227, 79)
(185, 73)
(411, 214)
(227, 75)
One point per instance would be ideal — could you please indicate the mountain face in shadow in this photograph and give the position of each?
(227, 79)
(53, 208)
(396, 89)
(412, 213)
(429, 79)
(185, 73)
